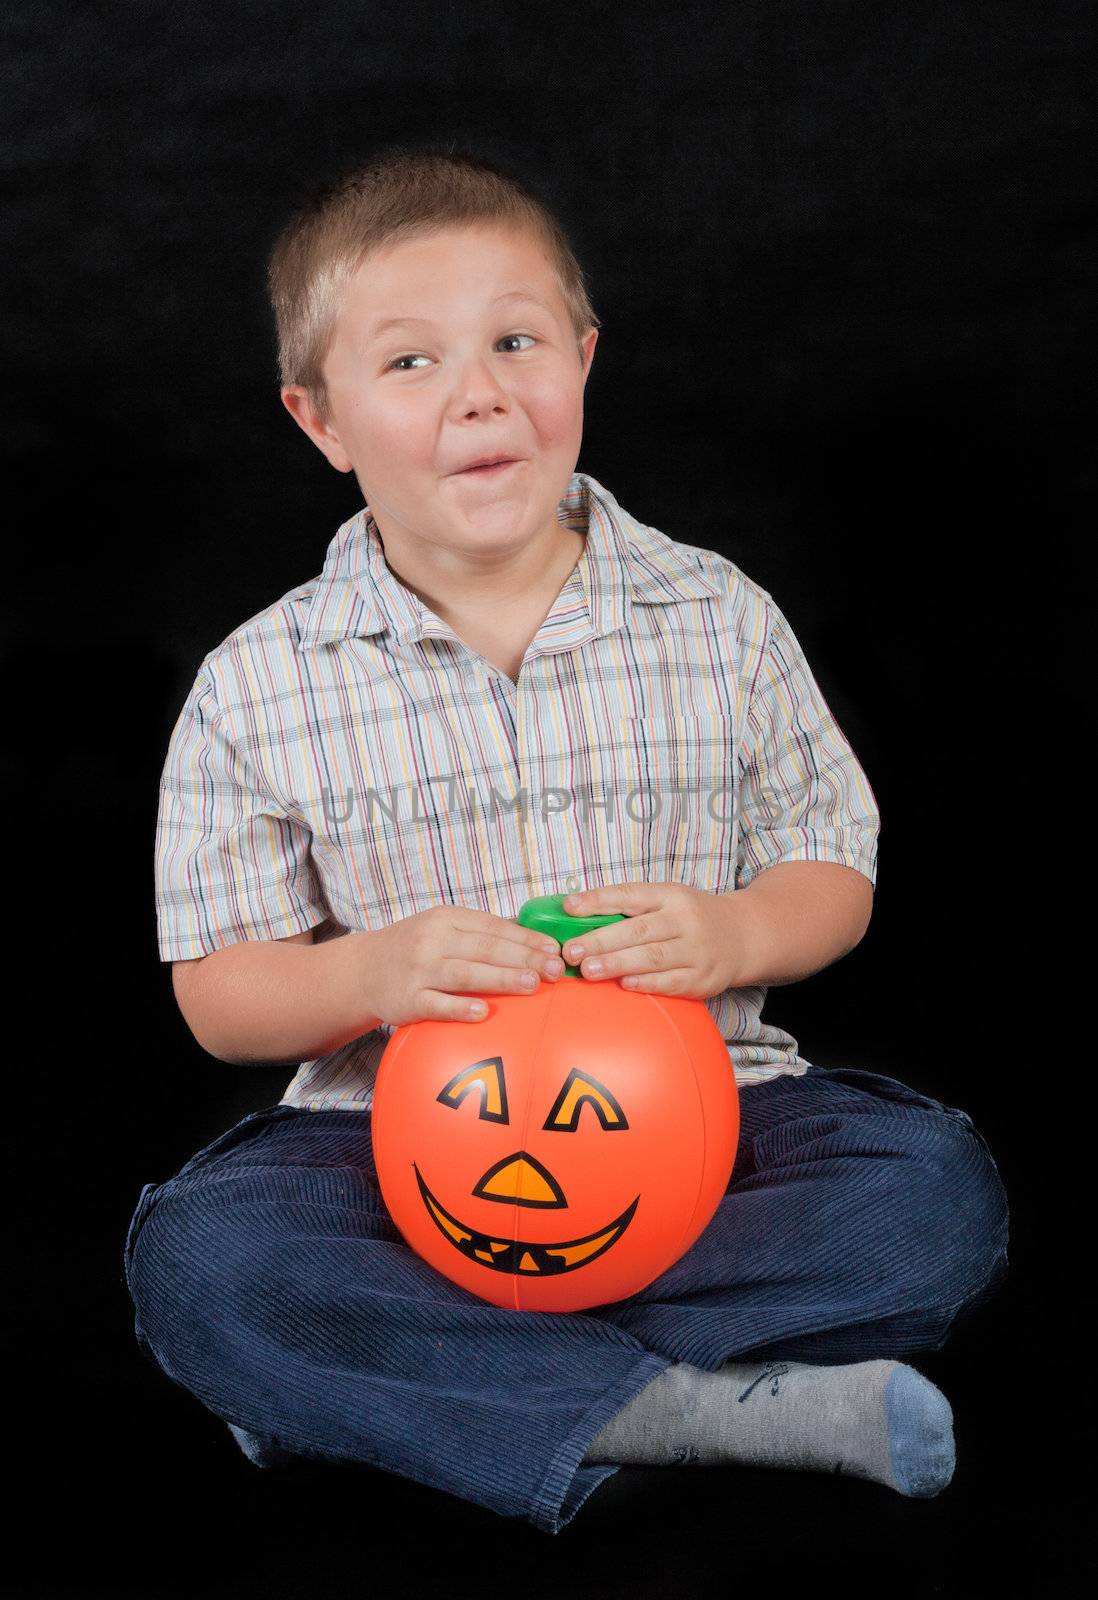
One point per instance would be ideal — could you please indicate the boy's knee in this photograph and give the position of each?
(960, 1204)
(983, 1206)
(989, 1207)
(187, 1261)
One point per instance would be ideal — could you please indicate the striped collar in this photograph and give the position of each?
(623, 562)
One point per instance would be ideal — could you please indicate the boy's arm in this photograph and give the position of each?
(803, 915)
(233, 864)
(809, 820)
(279, 1001)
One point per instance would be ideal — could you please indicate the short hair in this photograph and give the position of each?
(401, 193)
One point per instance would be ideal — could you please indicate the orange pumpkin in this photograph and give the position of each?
(563, 1151)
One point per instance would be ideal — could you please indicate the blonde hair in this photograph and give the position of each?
(401, 193)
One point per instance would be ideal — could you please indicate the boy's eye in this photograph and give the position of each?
(416, 357)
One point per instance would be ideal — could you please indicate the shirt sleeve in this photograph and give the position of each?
(230, 865)
(804, 795)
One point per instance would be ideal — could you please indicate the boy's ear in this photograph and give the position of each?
(296, 400)
(587, 345)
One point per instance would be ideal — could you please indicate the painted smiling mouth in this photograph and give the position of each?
(522, 1255)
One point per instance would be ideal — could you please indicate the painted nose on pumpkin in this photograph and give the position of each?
(521, 1180)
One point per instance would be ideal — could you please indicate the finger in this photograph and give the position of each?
(442, 1007)
(513, 953)
(616, 936)
(674, 980)
(526, 942)
(608, 899)
(654, 956)
(484, 977)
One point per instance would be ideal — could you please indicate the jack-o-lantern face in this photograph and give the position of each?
(466, 1134)
(518, 1178)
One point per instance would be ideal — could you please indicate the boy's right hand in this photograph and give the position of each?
(426, 966)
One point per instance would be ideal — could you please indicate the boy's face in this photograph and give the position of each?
(484, 372)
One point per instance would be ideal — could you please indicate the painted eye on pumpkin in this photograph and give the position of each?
(578, 1089)
(581, 1088)
(487, 1076)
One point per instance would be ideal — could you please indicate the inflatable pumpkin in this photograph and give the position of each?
(567, 1148)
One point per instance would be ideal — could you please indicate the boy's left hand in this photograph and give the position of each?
(674, 940)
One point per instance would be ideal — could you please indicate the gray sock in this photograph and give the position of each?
(869, 1419)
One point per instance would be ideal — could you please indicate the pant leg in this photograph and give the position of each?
(861, 1219)
(270, 1281)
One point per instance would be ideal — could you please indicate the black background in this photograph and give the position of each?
(843, 256)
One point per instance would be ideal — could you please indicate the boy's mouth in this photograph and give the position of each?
(488, 470)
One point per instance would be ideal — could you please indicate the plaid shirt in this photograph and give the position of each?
(344, 760)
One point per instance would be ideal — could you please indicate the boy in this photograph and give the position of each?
(366, 782)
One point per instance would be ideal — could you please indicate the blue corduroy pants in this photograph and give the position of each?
(270, 1281)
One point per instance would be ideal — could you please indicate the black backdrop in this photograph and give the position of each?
(842, 255)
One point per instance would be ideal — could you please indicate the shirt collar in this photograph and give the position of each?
(623, 562)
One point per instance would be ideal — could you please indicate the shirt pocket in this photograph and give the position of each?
(676, 785)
